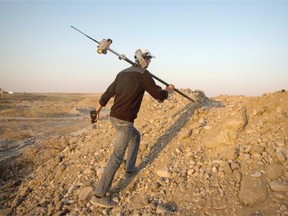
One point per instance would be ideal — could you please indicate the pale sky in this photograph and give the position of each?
(220, 47)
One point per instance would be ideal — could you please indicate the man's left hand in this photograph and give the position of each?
(170, 88)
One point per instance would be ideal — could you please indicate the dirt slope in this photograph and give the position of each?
(227, 155)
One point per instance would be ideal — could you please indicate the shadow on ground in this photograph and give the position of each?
(185, 114)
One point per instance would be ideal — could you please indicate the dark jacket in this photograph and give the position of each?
(128, 88)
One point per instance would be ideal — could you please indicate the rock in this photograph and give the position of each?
(274, 171)
(279, 186)
(115, 199)
(231, 153)
(21, 196)
(256, 149)
(202, 122)
(228, 133)
(6, 211)
(219, 202)
(163, 173)
(252, 191)
(281, 154)
(186, 133)
(236, 123)
(214, 169)
(235, 166)
(161, 209)
(281, 196)
(85, 193)
(227, 169)
(100, 171)
(191, 171)
(143, 147)
(256, 174)
(178, 151)
(271, 151)
(237, 176)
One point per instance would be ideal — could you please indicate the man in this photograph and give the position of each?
(128, 89)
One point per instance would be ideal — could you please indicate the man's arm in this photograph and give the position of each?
(110, 92)
(154, 90)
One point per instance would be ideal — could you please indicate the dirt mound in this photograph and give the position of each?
(226, 155)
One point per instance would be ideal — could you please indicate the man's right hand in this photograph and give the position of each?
(95, 114)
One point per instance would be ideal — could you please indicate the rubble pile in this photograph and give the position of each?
(226, 155)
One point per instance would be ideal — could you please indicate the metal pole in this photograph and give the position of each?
(132, 63)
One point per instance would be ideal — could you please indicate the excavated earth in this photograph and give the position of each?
(226, 155)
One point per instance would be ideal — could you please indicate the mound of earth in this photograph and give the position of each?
(226, 155)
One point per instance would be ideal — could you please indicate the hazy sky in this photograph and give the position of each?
(220, 47)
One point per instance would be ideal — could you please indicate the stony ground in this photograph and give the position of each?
(226, 155)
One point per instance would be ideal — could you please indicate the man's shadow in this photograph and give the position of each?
(186, 114)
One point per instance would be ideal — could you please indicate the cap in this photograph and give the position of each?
(146, 53)
(143, 53)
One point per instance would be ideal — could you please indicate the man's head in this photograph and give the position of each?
(143, 57)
